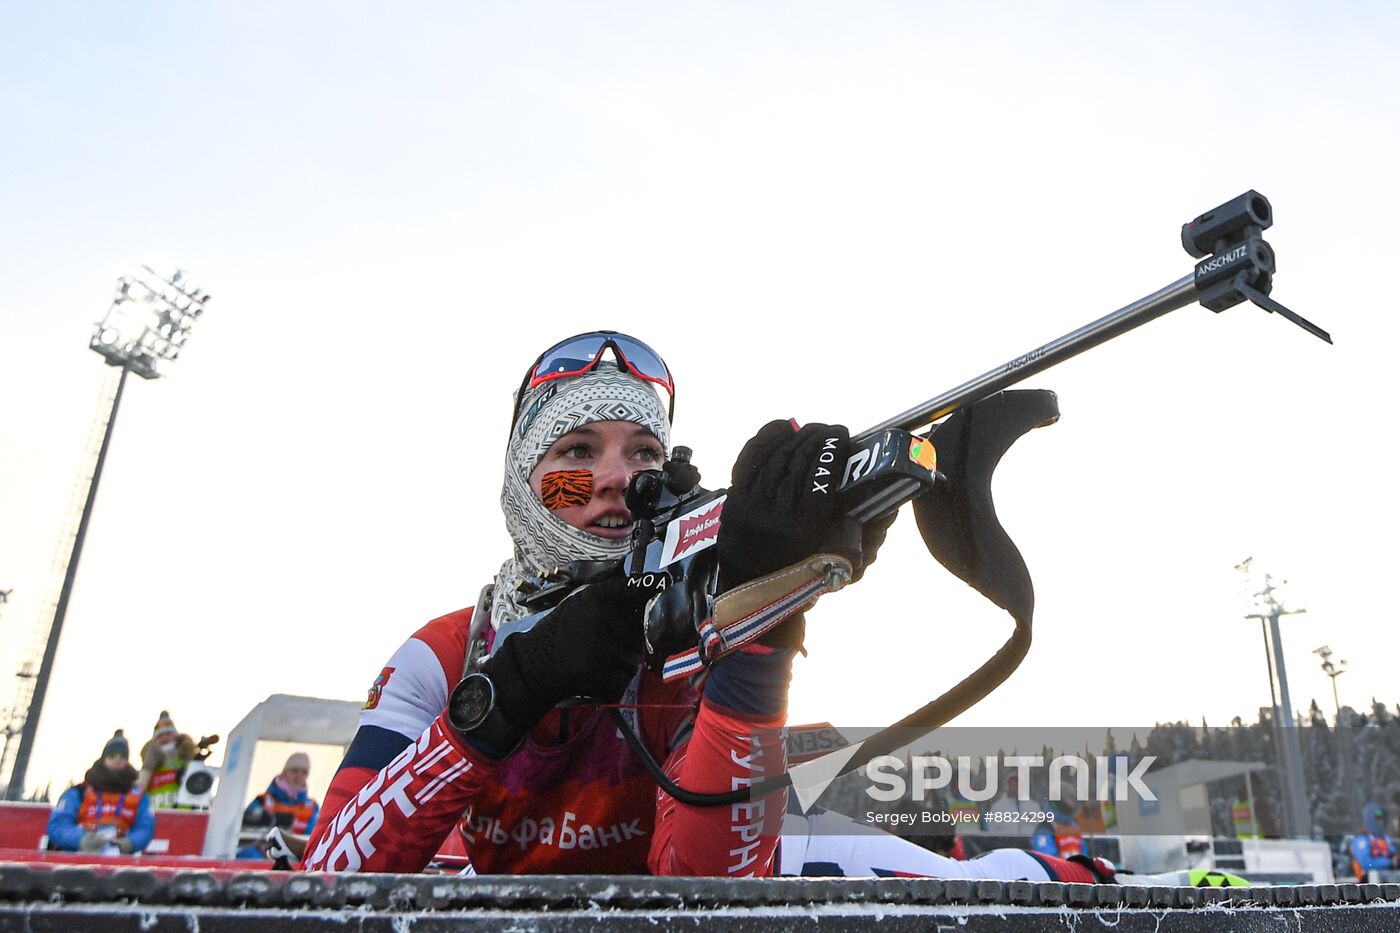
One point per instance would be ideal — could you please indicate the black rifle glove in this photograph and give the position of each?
(589, 646)
(872, 535)
(782, 508)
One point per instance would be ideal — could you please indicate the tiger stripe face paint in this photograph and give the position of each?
(566, 489)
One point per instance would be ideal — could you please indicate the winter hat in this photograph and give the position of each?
(117, 745)
(299, 760)
(1373, 817)
(548, 412)
(164, 727)
(543, 541)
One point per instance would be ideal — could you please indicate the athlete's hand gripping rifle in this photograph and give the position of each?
(947, 474)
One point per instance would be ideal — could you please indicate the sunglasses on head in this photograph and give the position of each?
(582, 353)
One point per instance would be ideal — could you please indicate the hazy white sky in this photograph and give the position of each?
(818, 210)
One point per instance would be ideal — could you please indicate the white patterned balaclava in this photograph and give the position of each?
(543, 541)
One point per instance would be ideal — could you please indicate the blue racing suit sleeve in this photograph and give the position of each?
(374, 747)
(752, 682)
(145, 826)
(64, 831)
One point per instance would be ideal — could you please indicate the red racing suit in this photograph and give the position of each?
(574, 798)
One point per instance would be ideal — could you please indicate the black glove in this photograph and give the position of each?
(782, 508)
(782, 505)
(590, 645)
(782, 499)
(872, 535)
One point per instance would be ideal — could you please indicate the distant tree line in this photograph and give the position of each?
(1345, 764)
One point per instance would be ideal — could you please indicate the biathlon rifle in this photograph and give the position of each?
(945, 471)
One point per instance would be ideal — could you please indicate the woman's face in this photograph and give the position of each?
(583, 477)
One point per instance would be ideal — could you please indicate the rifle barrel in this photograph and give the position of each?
(1180, 293)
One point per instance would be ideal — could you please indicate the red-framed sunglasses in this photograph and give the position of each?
(583, 352)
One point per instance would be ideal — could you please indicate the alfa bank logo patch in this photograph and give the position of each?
(692, 532)
(696, 531)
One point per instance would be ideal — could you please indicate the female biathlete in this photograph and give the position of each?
(519, 783)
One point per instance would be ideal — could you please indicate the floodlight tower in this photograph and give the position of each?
(1342, 735)
(1333, 671)
(13, 721)
(1268, 609)
(147, 325)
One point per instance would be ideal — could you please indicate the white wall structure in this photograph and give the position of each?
(1153, 834)
(279, 718)
(1308, 856)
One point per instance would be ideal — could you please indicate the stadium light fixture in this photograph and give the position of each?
(149, 321)
(144, 329)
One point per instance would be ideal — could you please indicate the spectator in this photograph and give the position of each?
(1069, 826)
(1008, 815)
(163, 762)
(966, 815)
(286, 804)
(1371, 849)
(107, 813)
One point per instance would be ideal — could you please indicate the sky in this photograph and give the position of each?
(824, 211)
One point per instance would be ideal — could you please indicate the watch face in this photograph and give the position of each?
(471, 702)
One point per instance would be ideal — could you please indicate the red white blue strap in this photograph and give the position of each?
(716, 641)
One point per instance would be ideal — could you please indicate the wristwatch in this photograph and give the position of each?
(472, 711)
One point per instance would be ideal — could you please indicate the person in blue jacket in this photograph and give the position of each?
(1371, 849)
(107, 814)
